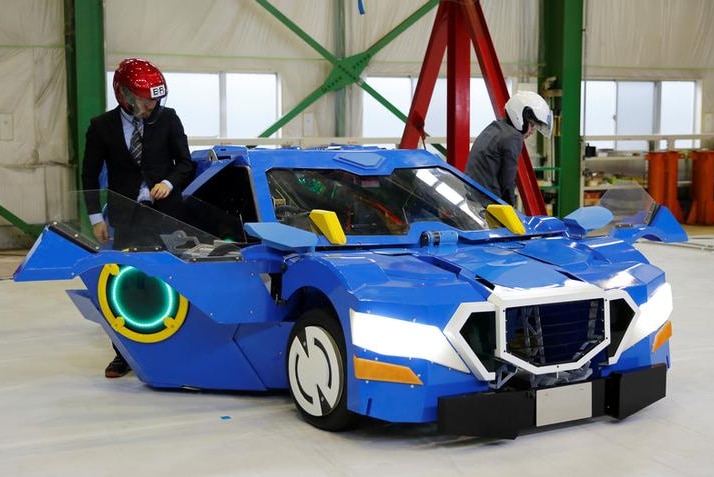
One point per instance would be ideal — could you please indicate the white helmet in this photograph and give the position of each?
(527, 106)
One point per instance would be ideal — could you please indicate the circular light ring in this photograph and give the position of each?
(169, 313)
(141, 320)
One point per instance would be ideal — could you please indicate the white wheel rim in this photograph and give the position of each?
(314, 371)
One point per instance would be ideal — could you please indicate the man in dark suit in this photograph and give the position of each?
(148, 162)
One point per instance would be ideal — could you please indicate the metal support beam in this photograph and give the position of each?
(341, 94)
(452, 20)
(458, 90)
(345, 71)
(29, 229)
(561, 50)
(86, 91)
(435, 48)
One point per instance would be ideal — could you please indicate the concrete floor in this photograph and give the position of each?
(59, 416)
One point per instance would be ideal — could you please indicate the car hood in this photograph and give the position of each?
(506, 266)
(515, 264)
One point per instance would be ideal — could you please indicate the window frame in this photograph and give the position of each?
(223, 106)
(656, 119)
(475, 109)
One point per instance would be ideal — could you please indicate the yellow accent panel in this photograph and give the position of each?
(327, 222)
(377, 371)
(109, 269)
(172, 323)
(112, 268)
(507, 215)
(664, 334)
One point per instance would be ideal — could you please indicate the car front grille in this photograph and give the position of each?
(554, 333)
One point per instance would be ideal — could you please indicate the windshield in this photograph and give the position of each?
(136, 227)
(630, 204)
(378, 205)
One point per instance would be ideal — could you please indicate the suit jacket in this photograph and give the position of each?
(165, 156)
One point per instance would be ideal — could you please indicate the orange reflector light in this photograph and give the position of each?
(662, 336)
(377, 371)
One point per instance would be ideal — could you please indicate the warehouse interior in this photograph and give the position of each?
(631, 86)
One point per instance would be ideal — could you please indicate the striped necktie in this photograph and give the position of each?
(135, 146)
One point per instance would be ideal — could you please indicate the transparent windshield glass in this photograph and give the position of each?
(630, 205)
(138, 227)
(378, 205)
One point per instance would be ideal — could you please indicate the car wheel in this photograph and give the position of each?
(317, 371)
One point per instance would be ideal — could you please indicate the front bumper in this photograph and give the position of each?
(503, 414)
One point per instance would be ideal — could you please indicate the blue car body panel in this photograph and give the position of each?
(432, 280)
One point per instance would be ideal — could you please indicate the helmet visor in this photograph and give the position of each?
(545, 127)
(143, 108)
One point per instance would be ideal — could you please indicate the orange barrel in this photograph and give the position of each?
(708, 185)
(695, 190)
(671, 190)
(656, 173)
(702, 209)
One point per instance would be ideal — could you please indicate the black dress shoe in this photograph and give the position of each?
(117, 368)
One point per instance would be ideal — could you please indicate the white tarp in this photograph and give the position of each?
(34, 172)
(649, 39)
(636, 39)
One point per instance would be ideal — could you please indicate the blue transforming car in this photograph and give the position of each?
(380, 283)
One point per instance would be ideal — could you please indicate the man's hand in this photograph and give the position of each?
(160, 191)
(101, 232)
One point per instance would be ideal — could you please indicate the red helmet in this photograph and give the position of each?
(138, 78)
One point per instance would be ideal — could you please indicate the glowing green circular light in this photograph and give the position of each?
(143, 302)
(139, 307)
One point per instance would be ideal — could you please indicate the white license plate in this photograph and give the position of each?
(563, 404)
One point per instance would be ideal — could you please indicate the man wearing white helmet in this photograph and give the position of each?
(493, 159)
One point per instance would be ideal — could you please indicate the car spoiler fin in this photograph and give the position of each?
(56, 255)
(507, 215)
(328, 224)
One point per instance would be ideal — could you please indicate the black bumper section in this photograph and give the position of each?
(504, 414)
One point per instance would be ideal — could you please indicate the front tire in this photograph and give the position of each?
(317, 371)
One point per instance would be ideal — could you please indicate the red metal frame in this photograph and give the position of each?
(455, 23)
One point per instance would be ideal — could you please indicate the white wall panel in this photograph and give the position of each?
(638, 39)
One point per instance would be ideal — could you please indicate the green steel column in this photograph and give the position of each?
(561, 53)
(340, 94)
(84, 43)
(346, 71)
(84, 56)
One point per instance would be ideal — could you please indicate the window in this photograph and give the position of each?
(638, 108)
(378, 121)
(597, 117)
(219, 105)
(251, 104)
(677, 111)
(195, 97)
(635, 112)
(379, 205)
